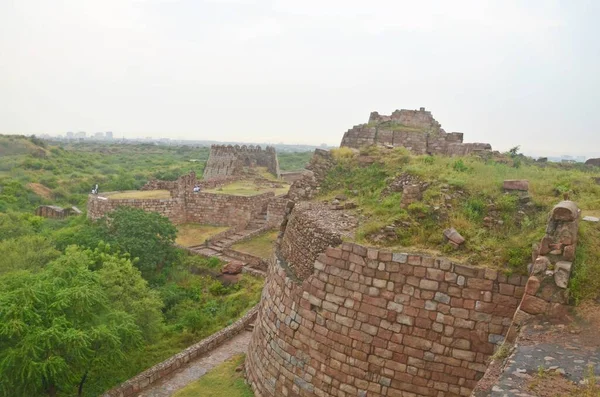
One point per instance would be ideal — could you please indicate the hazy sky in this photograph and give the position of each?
(505, 72)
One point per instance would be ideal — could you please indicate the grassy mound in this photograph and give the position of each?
(465, 193)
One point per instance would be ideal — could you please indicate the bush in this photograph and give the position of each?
(474, 209)
(459, 166)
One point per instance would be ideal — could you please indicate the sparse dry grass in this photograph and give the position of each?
(191, 234)
(248, 188)
(140, 194)
(220, 381)
(40, 190)
(260, 246)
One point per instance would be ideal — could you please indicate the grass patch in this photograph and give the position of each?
(220, 381)
(260, 246)
(585, 281)
(248, 188)
(140, 194)
(464, 193)
(191, 234)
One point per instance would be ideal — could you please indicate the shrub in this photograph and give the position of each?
(459, 166)
(474, 209)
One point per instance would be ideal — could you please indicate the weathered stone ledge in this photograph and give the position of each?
(164, 369)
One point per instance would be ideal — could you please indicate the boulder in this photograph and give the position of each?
(453, 236)
(565, 211)
(516, 184)
(562, 274)
(233, 267)
(540, 265)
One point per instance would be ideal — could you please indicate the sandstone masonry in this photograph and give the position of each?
(228, 160)
(360, 321)
(185, 206)
(415, 130)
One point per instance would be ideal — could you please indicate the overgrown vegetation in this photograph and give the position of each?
(87, 305)
(465, 193)
(70, 170)
(260, 246)
(220, 381)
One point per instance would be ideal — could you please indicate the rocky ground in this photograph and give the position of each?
(551, 360)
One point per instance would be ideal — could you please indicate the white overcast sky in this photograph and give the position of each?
(505, 72)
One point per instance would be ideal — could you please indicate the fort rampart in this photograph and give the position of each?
(415, 130)
(361, 321)
(228, 160)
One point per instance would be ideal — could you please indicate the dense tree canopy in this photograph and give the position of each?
(148, 236)
(59, 323)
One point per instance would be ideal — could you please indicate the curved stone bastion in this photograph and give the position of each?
(339, 319)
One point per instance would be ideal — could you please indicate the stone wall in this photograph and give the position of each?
(207, 208)
(228, 160)
(309, 184)
(355, 321)
(304, 239)
(416, 130)
(225, 210)
(546, 290)
(277, 209)
(372, 322)
(133, 386)
(98, 206)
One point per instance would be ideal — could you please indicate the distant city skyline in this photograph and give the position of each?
(505, 72)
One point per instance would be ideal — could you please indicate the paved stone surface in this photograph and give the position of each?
(197, 368)
(547, 347)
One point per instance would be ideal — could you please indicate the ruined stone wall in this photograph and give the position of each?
(308, 185)
(380, 323)
(415, 130)
(207, 208)
(225, 161)
(174, 209)
(304, 239)
(421, 118)
(133, 386)
(277, 209)
(225, 210)
(371, 322)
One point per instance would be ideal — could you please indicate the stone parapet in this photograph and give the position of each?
(133, 386)
(372, 322)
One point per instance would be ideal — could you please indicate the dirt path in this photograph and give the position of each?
(197, 368)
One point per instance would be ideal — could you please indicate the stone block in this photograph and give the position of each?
(516, 184)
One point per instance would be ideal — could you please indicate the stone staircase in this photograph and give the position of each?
(216, 247)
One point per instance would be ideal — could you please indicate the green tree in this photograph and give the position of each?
(148, 236)
(128, 291)
(57, 325)
(26, 253)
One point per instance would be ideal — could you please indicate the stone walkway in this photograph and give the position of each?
(197, 368)
(561, 354)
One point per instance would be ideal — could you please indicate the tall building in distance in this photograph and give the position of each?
(109, 135)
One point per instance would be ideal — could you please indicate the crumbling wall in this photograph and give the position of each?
(225, 210)
(309, 183)
(366, 321)
(174, 209)
(227, 160)
(546, 289)
(415, 130)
